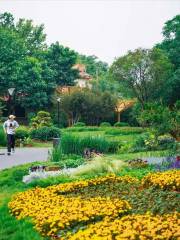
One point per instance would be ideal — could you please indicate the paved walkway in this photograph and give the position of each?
(22, 156)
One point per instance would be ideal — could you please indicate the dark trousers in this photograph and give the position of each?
(10, 142)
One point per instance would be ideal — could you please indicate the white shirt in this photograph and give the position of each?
(10, 126)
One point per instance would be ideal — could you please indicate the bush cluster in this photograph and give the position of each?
(79, 124)
(148, 142)
(45, 133)
(121, 124)
(22, 132)
(43, 119)
(124, 131)
(83, 129)
(105, 124)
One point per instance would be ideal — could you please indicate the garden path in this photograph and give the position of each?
(22, 156)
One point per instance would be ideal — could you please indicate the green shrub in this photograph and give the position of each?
(124, 131)
(76, 129)
(43, 119)
(166, 142)
(79, 124)
(3, 141)
(66, 161)
(148, 142)
(45, 133)
(121, 124)
(22, 133)
(83, 129)
(71, 144)
(105, 124)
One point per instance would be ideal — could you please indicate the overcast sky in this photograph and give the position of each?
(105, 28)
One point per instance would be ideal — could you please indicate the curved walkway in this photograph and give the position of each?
(22, 156)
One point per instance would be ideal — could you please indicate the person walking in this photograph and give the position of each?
(9, 128)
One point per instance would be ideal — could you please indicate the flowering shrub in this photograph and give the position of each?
(133, 227)
(168, 180)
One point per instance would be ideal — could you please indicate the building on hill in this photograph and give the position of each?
(84, 81)
(84, 78)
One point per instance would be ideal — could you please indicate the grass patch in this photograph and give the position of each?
(72, 144)
(3, 141)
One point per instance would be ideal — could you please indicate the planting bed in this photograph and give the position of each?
(110, 207)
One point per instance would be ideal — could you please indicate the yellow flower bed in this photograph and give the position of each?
(132, 227)
(57, 210)
(53, 212)
(108, 180)
(168, 180)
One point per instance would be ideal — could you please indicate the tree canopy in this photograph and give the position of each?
(143, 72)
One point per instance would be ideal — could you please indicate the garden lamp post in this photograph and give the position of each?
(11, 91)
(58, 105)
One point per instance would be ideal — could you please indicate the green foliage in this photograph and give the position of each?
(121, 124)
(161, 119)
(106, 83)
(32, 85)
(92, 108)
(170, 43)
(83, 129)
(43, 119)
(66, 161)
(10, 228)
(2, 107)
(45, 133)
(143, 72)
(79, 124)
(12, 52)
(21, 64)
(71, 144)
(22, 132)
(149, 142)
(154, 201)
(3, 140)
(61, 60)
(124, 131)
(105, 124)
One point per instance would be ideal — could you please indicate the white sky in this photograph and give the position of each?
(105, 28)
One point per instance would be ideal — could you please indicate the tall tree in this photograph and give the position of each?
(171, 45)
(31, 87)
(143, 72)
(12, 53)
(171, 41)
(61, 60)
(88, 106)
(34, 36)
(7, 20)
